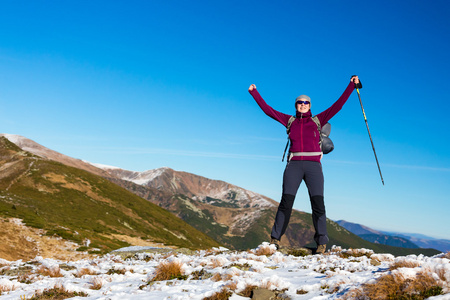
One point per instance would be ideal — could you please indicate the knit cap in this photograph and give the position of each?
(303, 97)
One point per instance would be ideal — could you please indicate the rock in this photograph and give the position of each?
(263, 294)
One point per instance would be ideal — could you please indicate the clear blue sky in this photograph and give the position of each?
(146, 84)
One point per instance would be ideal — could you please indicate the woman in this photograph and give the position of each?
(303, 162)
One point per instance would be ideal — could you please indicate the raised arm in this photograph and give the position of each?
(327, 114)
(274, 114)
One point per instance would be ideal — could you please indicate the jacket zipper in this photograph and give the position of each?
(301, 132)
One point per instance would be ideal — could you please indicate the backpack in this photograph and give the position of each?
(326, 144)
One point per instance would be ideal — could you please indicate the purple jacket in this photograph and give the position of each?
(304, 135)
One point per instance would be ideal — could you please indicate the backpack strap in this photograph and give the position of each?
(317, 121)
(288, 130)
(288, 126)
(319, 128)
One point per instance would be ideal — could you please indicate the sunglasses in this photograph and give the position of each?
(303, 102)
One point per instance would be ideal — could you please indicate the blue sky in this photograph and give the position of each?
(146, 84)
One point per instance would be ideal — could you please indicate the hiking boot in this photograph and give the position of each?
(321, 249)
(275, 242)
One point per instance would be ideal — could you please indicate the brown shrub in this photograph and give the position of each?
(301, 292)
(223, 294)
(26, 278)
(404, 264)
(51, 272)
(216, 262)
(264, 250)
(57, 293)
(216, 277)
(248, 290)
(85, 271)
(120, 271)
(96, 283)
(4, 288)
(398, 287)
(232, 286)
(353, 253)
(168, 271)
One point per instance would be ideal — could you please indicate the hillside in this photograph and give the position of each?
(82, 207)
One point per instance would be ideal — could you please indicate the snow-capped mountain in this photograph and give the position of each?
(37, 149)
(194, 186)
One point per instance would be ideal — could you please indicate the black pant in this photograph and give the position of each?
(311, 173)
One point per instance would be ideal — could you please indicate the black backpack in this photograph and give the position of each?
(326, 144)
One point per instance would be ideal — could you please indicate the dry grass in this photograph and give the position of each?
(397, 287)
(96, 283)
(57, 293)
(168, 271)
(447, 255)
(404, 264)
(223, 294)
(232, 286)
(216, 277)
(221, 277)
(51, 272)
(85, 271)
(267, 285)
(120, 271)
(301, 292)
(265, 250)
(4, 288)
(26, 278)
(247, 291)
(352, 253)
(216, 262)
(23, 242)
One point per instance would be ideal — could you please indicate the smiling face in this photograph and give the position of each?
(302, 105)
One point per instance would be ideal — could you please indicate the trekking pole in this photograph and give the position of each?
(358, 86)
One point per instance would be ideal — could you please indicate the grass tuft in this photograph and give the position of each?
(397, 287)
(168, 271)
(96, 283)
(223, 294)
(265, 249)
(5, 288)
(51, 272)
(57, 293)
(404, 264)
(85, 271)
(120, 271)
(301, 292)
(248, 290)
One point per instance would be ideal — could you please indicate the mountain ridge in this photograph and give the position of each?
(233, 216)
(80, 206)
(300, 230)
(396, 238)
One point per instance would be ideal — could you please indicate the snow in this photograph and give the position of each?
(13, 138)
(102, 166)
(327, 276)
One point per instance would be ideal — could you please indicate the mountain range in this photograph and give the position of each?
(407, 240)
(107, 205)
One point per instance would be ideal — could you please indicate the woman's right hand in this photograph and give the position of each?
(252, 87)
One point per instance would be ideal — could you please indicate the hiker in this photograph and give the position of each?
(303, 162)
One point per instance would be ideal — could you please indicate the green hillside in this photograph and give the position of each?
(78, 205)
